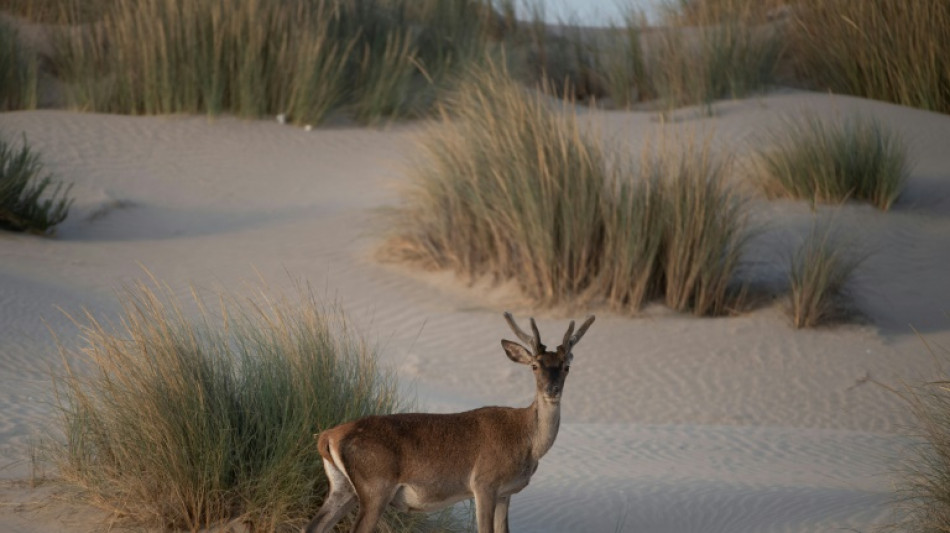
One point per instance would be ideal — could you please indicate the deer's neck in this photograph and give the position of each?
(547, 419)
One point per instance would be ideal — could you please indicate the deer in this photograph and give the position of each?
(423, 462)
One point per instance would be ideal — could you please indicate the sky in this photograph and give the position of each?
(592, 12)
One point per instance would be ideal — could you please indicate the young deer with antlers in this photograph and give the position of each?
(425, 462)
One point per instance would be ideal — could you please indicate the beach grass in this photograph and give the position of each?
(506, 185)
(887, 50)
(828, 161)
(58, 11)
(696, 57)
(923, 487)
(188, 413)
(719, 58)
(707, 231)
(383, 59)
(510, 186)
(624, 62)
(818, 274)
(30, 200)
(18, 72)
(374, 59)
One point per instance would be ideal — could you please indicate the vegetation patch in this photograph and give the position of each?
(711, 55)
(383, 59)
(824, 161)
(190, 419)
(18, 72)
(819, 270)
(887, 50)
(923, 502)
(29, 201)
(510, 186)
(719, 59)
(377, 59)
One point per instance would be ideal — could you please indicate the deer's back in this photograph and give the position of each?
(424, 449)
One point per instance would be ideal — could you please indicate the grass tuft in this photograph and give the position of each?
(29, 201)
(829, 162)
(506, 187)
(888, 50)
(923, 502)
(18, 72)
(707, 231)
(818, 273)
(187, 420)
(624, 62)
(719, 59)
(510, 186)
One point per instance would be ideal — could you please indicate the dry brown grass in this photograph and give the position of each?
(191, 419)
(510, 186)
(890, 50)
(819, 271)
(923, 498)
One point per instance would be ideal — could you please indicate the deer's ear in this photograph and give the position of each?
(517, 352)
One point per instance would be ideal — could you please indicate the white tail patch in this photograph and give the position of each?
(486, 470)
(337, 462)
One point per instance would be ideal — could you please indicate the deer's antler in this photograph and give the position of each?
(571, 338)
(533, 342)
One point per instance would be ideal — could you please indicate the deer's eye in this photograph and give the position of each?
(567, 368)
(534, 366)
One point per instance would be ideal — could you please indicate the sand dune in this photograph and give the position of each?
(670, 423)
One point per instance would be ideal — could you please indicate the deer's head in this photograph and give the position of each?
(550, 367)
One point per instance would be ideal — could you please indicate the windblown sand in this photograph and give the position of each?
(670, 423)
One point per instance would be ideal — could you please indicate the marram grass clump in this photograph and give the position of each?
(891, 50)
(922, 501)
(29, 200)
(826, 161)
(720, 59)
(18, 72)
(509, 185)
(372, 59)
(182, 419)
(818, 274)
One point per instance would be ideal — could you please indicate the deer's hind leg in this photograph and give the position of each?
(374, 497)
(340, 500)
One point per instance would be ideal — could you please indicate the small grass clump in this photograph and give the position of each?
(18, 72)
(510, 186)
(29, 201)
(923, 497)
(818, 273)
(191, 420)
(829, 162)
(374, 59)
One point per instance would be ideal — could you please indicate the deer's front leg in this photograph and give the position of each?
(485, 498)
(501, 514)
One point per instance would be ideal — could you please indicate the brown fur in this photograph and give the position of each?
(423, 462)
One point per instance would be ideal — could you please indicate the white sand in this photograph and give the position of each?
(670, 423)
